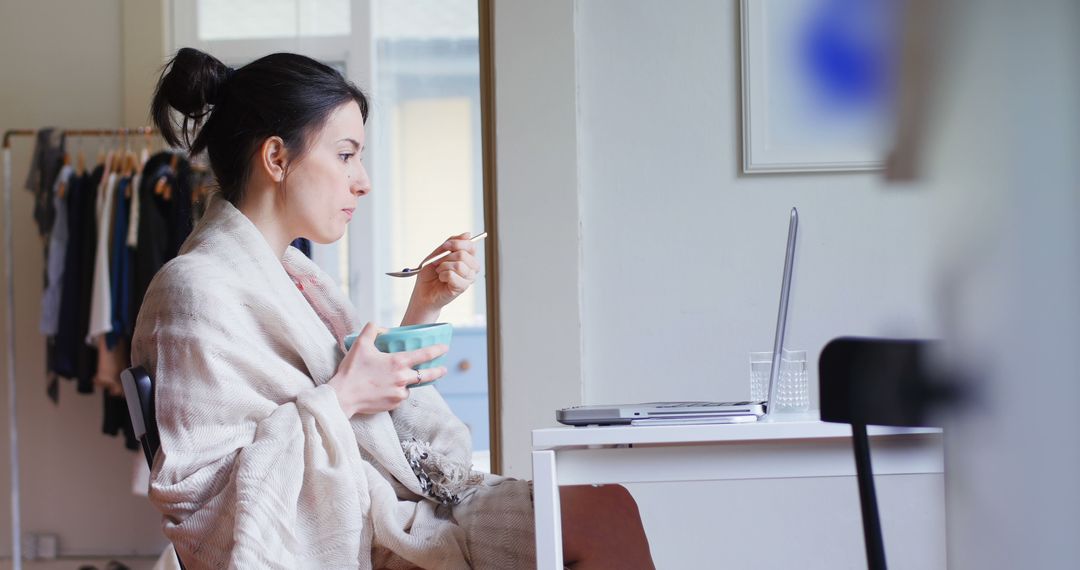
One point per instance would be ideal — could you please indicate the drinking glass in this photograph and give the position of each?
(793, 386)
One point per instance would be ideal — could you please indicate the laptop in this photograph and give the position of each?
(680, 413)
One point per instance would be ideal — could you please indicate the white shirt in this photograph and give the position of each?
(101, 295)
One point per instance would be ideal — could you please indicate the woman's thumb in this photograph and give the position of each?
(368, 333)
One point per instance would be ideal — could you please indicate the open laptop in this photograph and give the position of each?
(676, 413)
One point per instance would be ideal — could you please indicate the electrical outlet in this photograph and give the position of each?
(47, 546)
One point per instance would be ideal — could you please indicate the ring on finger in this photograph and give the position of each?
(419, 378)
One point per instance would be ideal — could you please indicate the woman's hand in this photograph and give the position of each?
(442, 282)
(369, 381)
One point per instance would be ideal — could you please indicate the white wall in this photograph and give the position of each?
(538, 223)
(63, 65)
(659, 190)
(682, 253)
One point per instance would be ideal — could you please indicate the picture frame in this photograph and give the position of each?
(796, 114)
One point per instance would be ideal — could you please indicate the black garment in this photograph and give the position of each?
(164, 224)
(70, 353)
(86, 367)
(52, 388)
(64, 356)
(117, 419)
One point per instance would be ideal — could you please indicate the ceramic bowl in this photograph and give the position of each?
(412, 337)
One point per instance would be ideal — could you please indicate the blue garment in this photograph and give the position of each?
(120, 262)
(304, 245)
(54, 265)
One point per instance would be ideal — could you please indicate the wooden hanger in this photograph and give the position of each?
(129, 168)
(161, 188)
(118, 156)
(61, 188)
(107, 163)
(148, 148)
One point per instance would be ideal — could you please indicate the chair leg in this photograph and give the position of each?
(875, 548)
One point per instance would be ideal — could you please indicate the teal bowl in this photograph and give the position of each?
(412, 337)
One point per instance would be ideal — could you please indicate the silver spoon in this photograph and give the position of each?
(412, 272)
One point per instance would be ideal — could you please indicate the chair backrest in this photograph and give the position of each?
(139, 393)
(874, 381)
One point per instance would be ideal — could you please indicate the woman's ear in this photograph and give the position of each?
(274, 158)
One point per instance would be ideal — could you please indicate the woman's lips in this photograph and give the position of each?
(348, 211)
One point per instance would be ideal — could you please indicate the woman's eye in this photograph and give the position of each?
(345, 156)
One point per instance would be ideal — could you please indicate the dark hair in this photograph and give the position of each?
(282, 94)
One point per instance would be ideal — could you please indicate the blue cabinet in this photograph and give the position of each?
(465, 386)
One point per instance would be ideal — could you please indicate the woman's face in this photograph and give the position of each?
(322, 187)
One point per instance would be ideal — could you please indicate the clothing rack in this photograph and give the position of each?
(9, 272)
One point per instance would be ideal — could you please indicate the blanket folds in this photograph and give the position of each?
(260, 468)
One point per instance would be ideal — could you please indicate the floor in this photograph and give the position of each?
(134, 563)
(481, 462)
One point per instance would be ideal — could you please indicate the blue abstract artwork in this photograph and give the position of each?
(818, 83)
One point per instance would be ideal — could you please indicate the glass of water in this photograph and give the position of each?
(793, 386)
(760, 364)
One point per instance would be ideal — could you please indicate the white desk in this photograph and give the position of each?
(801, 447)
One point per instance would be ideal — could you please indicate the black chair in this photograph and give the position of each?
(866, 381)
(139, 393)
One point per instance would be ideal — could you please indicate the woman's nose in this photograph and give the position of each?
(360, 185)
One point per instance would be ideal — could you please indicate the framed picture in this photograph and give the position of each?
(817, 83)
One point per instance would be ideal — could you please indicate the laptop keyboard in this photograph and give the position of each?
(702, 404)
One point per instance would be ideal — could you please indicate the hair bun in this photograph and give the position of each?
(191, 82)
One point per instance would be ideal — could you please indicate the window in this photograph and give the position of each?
(427, 104)
(418, 60)
(250, 19)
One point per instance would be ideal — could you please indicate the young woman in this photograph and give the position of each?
(279, 449)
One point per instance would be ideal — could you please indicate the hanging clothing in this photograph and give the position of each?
(241, 356)
(72, 357)
(55, 253)
(46, 160)
(115, 416)
(120, 262)
(88, 355)
(94, 260)
(64, 356)
(113, 353)
(133, 226)
(91, 302)
(164, 223)
(55, 262)
(101, 292)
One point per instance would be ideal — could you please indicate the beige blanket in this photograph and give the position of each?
(260, 468)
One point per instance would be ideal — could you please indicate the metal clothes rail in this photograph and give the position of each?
(9, 272)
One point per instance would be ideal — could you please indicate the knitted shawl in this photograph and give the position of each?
(259, 467)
